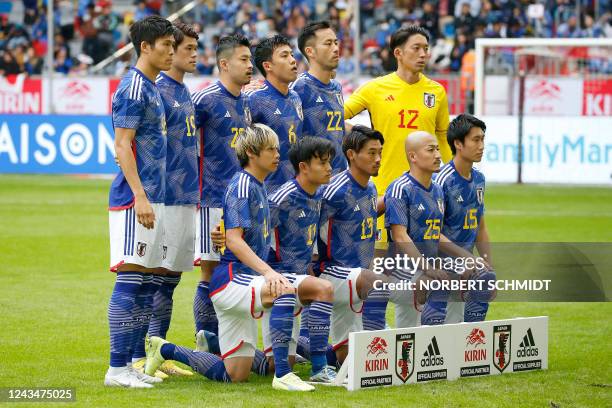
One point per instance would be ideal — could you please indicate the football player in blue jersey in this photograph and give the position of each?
(294, 217)
(137, 196)
(182, 190)
(275, 105)
(464, 220)
(414, 219)
(348, 233)
(321, 95)
(244, 284)
(222, 115)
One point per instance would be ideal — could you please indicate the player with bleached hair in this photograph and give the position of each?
(222, 114)
(244, 284)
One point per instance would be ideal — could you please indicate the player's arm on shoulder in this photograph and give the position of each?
(442, 121)
(380, 206)
(125, 156)
(358, 101)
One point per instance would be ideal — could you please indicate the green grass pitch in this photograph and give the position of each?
(55, 291)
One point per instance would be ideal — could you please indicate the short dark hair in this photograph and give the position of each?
(309, 32)
(309, 148)
(358, 137)
(149, 30)
(229, 43)
(182, 30)
(460, 127)
(265, 49)
(402, 35)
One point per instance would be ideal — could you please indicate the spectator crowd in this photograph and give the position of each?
(86, 31)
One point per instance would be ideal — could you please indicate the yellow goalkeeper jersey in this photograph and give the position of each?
(397, 109)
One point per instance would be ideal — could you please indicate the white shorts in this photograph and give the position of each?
(132, 243)
(238, 307)
(179, 237)
(346, 313)
(407, 313)
(296, 280)
(206, 221)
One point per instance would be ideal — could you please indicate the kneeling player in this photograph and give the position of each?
(294, 213)
(243, 284)
(348, 233)
(464, 220)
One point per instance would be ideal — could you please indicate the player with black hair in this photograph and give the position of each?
(464, 220)
(348, 233)
(275, 104)
(321, 95)
(137, 196)
(222, 115)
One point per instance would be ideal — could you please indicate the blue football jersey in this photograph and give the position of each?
(419, 209)
(323, 108)
(245, 206)
(348, 223)
(138, 105)
(182, 187)
(283, 114)
(464, 204)
(294, 219)
(221, 117)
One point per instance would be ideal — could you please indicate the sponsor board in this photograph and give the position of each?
(597, 98)
(502, 342)
(475, 350)
(78, 95)
(552, 150)
(20, 94)
(404, 356)
(433, 359)
(426, 353)
(56, 144)
(551, 96)
(530, 346)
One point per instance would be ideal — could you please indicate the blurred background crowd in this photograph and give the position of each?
(88, 31)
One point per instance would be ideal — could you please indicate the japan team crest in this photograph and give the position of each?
(501, 346)
(247, 115)
(480, 195)
(404, 356)
(141, 249)
(429, 99)
(298, 109)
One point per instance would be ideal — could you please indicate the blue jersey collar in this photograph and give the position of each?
(414, 181)
(252, 177)
(452, 164)
(350, 176)
(169, 78)
(273, 89)
(294, 180)
(146, 78)
(224, 90)
(318, 82)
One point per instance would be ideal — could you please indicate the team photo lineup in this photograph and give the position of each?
(283, 204)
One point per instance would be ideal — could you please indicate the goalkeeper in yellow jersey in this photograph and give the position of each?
(403, 102)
